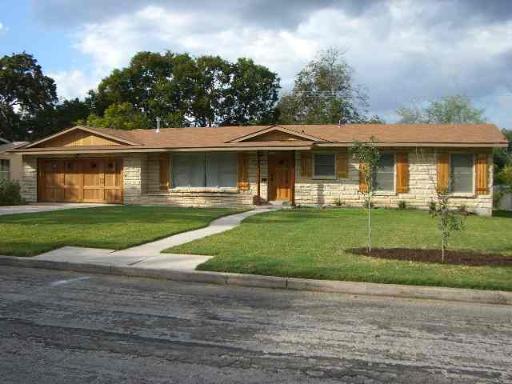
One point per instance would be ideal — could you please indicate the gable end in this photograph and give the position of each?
(78, 139)
(276, 133)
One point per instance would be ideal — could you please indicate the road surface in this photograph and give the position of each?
(63, 327)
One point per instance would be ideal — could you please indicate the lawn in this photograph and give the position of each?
(312, 243)
(102, 227)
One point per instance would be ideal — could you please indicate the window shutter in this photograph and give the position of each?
(482, 174)
(443, 171)
(342, 164)
(164, 171)
(306, 165)
(243, 172)
(402, 172)
(363, 186)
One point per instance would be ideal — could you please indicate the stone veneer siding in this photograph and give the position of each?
(28, 180)
(141, 186)
(141, 173)
(422, 182)
(142, 183)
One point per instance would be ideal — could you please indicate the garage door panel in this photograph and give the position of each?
(73, 180)
(94, 195)
(80, 180)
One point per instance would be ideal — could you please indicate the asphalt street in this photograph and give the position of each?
(64, 327)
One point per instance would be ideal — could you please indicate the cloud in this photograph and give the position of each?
(74, 83)
(403, 51)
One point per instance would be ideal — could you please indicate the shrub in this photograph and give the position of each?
(463, 210)
(402, 204)
(10, 193)
(339, 202)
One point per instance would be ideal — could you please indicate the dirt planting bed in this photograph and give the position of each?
(434, 256)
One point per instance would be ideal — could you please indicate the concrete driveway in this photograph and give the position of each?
(61, 327)
(43, 207)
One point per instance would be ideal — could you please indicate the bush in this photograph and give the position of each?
(10, 193)
(432, 207)
(402, 204)
(339, 202)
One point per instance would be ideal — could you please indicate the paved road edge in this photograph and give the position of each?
(346, 287)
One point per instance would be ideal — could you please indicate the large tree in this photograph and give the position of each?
(63, 115)
(24, 93)
(183, 90)
(120, 116)
(447, 110)
(325, 93)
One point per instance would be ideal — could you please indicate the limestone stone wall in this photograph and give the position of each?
(134, 177)
(149, 190)
(28, 180)
(422, 181)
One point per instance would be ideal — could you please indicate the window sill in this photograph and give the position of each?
(463, 195)
(384, 193)
(204, 190)
(323, 178)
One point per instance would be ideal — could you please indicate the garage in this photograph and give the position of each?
(88, 180)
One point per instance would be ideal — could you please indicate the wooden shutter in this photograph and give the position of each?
(306, 167)
(363, 186)
(164, 171)
(482, 174)
(443, 171)
(342, 164)
(402, 172)
(243, 172)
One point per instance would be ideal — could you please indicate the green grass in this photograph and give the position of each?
(312, 243)
(101, 227)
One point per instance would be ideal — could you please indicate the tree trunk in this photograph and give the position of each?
(369, 224)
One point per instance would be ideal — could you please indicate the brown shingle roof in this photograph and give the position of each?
(447, 135)
(383, 133)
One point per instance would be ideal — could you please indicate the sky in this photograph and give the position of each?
(403, 52)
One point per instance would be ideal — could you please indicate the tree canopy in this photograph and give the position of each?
(184, 91)
(455, 109)
(325, 93)
(24, 92)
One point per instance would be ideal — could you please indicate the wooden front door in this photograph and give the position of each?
(280, 176)
(80, 180)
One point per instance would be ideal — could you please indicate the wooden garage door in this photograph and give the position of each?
(80, 180)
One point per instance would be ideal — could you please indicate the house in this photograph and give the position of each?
(246, 165)
(11, 167)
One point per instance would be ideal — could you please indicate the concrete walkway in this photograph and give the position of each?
(149, 255)
(44, 207)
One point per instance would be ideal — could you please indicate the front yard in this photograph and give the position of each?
(102, 227)
(312, 243)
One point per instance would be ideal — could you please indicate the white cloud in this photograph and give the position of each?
(74, 83)
(397, 56)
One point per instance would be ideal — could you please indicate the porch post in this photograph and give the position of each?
(292, 178)
(258, 178)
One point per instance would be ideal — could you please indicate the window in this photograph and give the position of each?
(4, 169)
(213, 170)
(384, 178)
(461, 173)
(324, 165)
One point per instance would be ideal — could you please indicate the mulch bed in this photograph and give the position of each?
(434, 256)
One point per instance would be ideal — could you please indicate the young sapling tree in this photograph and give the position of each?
(368, 156)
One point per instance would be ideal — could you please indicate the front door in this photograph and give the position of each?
(280, 171)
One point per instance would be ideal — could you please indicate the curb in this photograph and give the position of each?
(297, 284)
